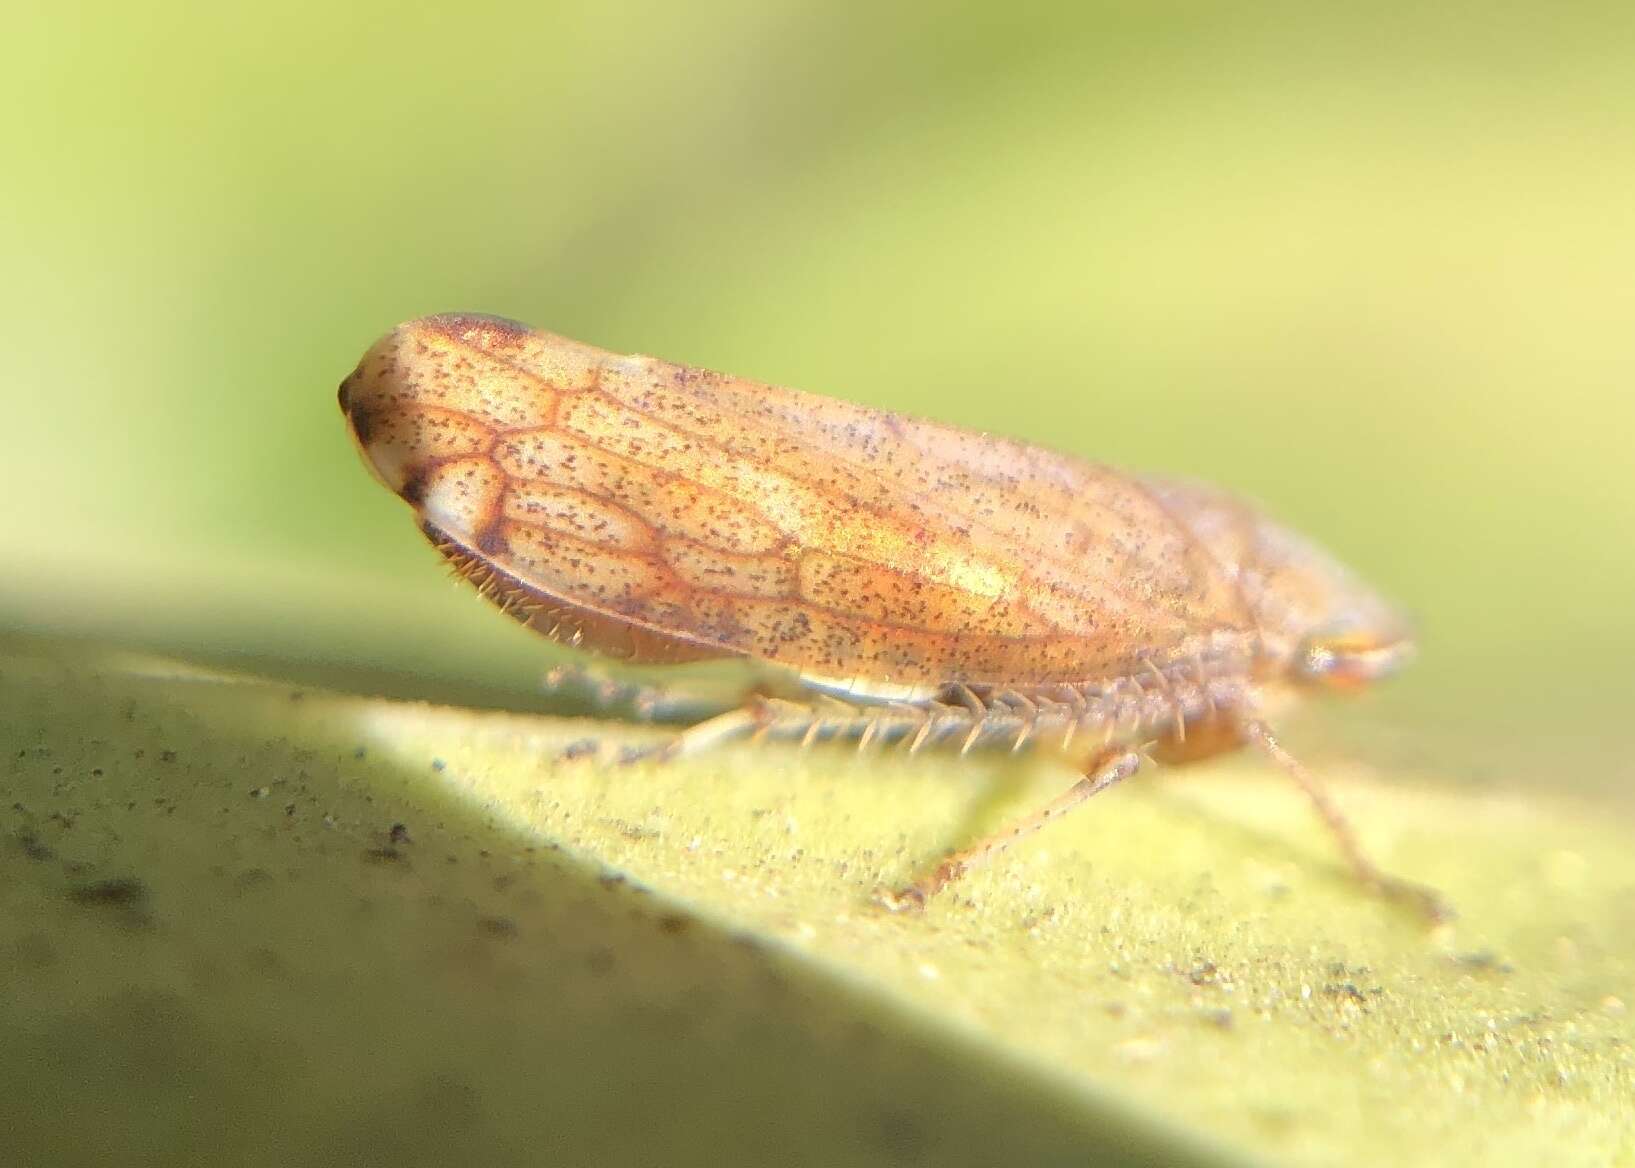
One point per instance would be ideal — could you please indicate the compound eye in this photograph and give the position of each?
(1350, 660)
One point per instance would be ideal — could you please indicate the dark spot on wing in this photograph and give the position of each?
(491, 541)
(414, 487)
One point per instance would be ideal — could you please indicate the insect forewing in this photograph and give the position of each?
(664, 511)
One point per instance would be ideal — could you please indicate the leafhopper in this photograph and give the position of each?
(913, 583)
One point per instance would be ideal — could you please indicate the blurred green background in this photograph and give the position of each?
(1371, 264)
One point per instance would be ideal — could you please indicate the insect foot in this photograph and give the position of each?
(661, 752)
(580, 749)
(900, 900)
(1422, 899)
(914, 897)
(601, 752)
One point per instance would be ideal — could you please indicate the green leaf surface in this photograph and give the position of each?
(245, 922)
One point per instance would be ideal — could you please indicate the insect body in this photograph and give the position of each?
(919, 583)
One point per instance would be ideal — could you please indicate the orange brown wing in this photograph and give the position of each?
(663, 512)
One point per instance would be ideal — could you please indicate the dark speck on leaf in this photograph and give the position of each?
(120, 892)
(901, 1136)
(1484, 961)
(33, 846)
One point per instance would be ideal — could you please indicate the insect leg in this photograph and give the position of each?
(1426, 900)
(712, 732)
(778, 720)
(582, 685)
(762, 718)
(1107, 770)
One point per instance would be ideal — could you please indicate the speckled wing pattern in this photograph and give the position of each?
(665, 512)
